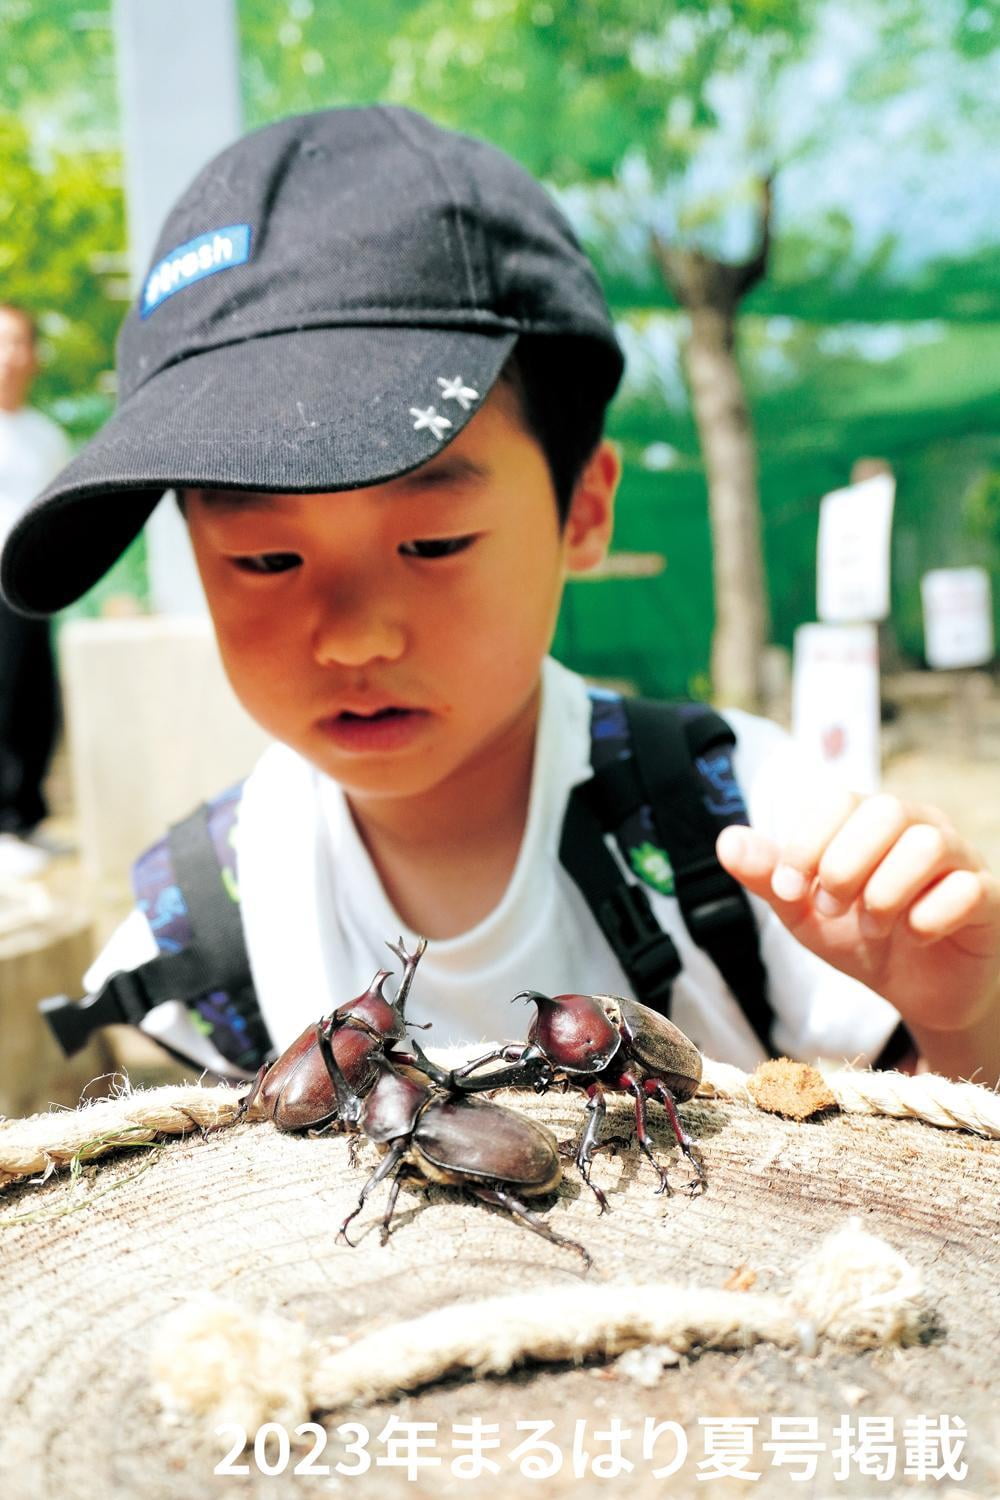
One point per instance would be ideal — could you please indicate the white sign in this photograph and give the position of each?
(835, 700)
(852, 561)
(958, 617)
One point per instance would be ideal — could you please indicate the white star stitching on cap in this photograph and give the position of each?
(454, 390)
(431, 418)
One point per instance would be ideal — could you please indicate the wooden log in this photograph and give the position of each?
(94, 1264)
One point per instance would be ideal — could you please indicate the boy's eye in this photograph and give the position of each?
(267, 562)
(441, 546)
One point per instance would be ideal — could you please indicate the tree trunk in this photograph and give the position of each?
(723, 419)
(710, 292)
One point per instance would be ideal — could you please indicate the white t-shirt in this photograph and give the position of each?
(32, 451)
(316, 917)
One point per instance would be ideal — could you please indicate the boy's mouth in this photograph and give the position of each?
(389, 728)
(379, 713)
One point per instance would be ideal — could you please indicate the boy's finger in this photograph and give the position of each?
(749, 856)
(963, 899)
(814, 825)
(919, 857)
(863, 849)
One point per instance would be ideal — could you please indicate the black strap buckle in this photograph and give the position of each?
(120, 1001)
(645, 951)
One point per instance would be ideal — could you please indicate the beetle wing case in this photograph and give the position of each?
(295, 1090)
(476, 1139)
(660, 1047)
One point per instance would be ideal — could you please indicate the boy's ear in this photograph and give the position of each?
(589, 523)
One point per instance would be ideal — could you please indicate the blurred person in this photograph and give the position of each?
(32, 450)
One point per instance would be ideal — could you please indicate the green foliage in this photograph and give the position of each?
(58, 220)
(57, 70)
(62, 241)
(982, 514)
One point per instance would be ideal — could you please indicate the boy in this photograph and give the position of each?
(374, 362)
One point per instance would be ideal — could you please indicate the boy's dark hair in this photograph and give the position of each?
(562, 410)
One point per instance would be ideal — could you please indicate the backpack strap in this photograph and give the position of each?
(620, 907)
(187, 892)
(674, 760)
(663, 786)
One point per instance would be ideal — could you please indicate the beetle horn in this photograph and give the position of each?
(410, 961)
(535, 995)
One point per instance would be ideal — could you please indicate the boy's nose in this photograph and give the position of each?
(353, 633)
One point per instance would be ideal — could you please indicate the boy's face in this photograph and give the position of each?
(393, 635)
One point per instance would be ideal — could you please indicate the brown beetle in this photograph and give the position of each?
(296, 1091)
(599, 1042)
(496, 1155)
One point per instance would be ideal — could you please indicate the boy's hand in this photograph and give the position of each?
(889, 893)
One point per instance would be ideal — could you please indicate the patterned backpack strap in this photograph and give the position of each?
(185, 886)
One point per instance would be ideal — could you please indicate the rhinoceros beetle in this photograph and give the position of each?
(297, 1091)
(598, 1042)
(490, 1151)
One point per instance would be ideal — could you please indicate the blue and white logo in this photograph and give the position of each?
(219, 250)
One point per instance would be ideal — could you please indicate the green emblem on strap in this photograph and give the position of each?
(651, 864)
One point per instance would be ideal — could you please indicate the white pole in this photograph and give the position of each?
(178, 70)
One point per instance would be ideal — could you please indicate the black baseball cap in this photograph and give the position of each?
(327, 306)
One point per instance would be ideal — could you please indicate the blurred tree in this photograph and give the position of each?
(61, 229)
(57, 71)
(62, 232)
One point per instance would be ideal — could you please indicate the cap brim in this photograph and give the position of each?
(318, 409)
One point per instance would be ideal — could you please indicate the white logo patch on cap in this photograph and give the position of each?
(218, 250)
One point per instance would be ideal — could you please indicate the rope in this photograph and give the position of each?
(218, 1360)
(922, 1096)
(43, 1143)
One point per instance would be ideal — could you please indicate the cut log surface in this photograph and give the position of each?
(93, 1263)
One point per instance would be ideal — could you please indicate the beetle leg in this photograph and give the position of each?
(348, 1102)
(510, 1052)
(391, 1159)
(528, 1067)
(666, 1098)
(641, 1129)
(251, 1094)
(397, 1183)
(501, 1198)
(443, 1077)
(596, 1108)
